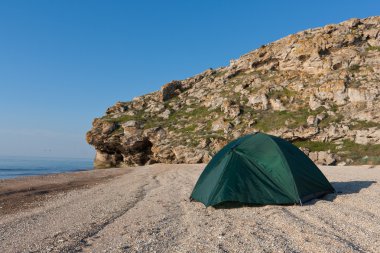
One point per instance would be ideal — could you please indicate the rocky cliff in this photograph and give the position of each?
(318, 88)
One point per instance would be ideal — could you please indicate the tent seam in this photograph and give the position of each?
(219, 179)
(288, 168)
(224, 171)
(213, 193)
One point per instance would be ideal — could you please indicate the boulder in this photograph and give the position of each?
(314, 103)
(204, 143)
(368, 136)
(358, 95)
(300, 133)
(119, 107)
(170, 90)
(108, 127)
(130, 123)
(311, 120)
(220, 125)
(165, 114)
(213, 102)
(231, 109)
(323, 158)
(131, 128)
(277, 105)
(259, 101)
(187, 155)
(106, 160)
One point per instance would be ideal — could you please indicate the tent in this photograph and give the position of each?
(260, 169)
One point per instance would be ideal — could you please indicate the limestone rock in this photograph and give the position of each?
(358, 95)
(259, 101)
(300, 133)
(204, 143)
(277, 105)
(318, 85)
(165, 114)
(185, 155)
(108, 127)
(171, 90)
(369, 136)
(323, 158)
(231, 109)
(105, 160)
(119, 107)
(311, 120)
(221, 125)
(131, 123)
(314, 103)
(213, 102)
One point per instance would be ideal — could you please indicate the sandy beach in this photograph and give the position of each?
(146, 209)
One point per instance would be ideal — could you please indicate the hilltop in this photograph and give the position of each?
(318, 88)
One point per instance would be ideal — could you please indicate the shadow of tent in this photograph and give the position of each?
(345, 188)
(341, 188)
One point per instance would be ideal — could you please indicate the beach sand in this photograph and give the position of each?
(147, 209)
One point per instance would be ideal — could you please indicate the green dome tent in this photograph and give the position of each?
(260, 169)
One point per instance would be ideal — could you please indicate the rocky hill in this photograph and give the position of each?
(318, 88)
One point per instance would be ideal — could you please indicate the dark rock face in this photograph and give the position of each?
(170, 90)
(318, 88)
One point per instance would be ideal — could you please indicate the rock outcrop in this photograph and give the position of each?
(318, 88)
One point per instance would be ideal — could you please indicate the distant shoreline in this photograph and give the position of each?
(19, 166)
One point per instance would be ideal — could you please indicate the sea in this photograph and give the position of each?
(16, 166)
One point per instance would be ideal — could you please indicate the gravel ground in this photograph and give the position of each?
(147, 210)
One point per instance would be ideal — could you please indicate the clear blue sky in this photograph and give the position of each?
(62, 63)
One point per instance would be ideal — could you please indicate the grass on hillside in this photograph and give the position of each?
(373, 48)
(362, 124)
(354, 68)
(267, 121)
(282, 93)
(359, 154)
